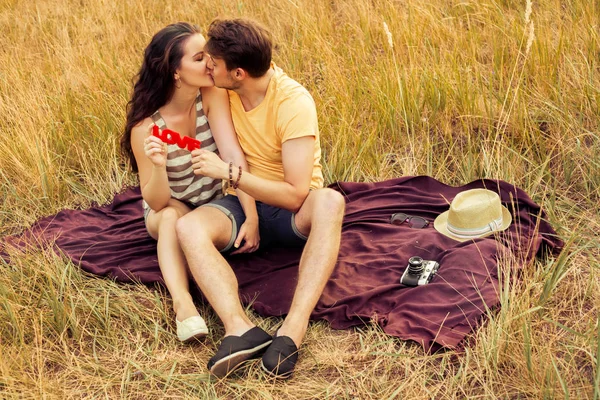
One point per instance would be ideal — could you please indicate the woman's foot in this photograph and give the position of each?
(191, 328)
(190, 325)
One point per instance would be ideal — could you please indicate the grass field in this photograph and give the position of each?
(458, 90)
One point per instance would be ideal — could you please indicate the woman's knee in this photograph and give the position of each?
(170, 215)
(161, 221)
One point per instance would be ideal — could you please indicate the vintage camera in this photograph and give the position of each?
(419, 272)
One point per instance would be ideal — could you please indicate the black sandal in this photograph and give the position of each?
(280, 358)
(234, 350)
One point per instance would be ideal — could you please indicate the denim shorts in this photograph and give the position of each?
(276, 225)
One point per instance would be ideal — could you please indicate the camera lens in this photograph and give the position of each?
(415, 265)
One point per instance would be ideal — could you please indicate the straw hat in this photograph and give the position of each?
(473, 214)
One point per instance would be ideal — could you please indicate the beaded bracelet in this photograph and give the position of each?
(230, 173)
(237, 181)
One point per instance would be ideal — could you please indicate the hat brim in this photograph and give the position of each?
(441, 225)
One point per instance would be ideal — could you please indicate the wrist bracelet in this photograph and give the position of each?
(237, 181)
(230, 173)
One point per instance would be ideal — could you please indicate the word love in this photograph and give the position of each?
(171, 137)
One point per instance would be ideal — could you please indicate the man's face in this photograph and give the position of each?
(220, 75)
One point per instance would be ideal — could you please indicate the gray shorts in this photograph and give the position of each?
(276, 225)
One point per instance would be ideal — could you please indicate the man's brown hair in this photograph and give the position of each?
(241, 43)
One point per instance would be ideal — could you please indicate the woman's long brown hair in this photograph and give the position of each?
(155, 81)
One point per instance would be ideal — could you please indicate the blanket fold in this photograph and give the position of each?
(112, 241)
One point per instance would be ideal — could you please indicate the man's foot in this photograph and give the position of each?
(234, 350)
(191, 328)
(280, 358)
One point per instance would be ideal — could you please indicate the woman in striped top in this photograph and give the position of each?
(174, 91)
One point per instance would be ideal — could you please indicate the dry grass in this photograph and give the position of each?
(469, 89)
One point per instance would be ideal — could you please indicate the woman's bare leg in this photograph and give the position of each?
(161, 226)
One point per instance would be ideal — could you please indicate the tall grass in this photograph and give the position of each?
(470, 89)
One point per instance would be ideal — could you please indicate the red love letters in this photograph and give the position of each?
(171, 137)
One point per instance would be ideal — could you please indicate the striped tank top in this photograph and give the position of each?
(185, 185)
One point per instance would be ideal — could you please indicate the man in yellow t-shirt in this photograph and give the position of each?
(276, 123)
(286, 112)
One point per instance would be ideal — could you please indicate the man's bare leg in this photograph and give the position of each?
(320, 217)
(201, 232)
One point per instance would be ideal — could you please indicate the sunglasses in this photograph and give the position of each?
(412, 220)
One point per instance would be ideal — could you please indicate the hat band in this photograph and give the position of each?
(468, 233)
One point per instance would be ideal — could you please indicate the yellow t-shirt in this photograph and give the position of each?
(287, 112)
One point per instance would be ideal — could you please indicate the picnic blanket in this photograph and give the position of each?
(111, 241)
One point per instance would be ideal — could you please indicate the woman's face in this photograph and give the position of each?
(192, 70)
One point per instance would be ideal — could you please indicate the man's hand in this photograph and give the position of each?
(209, 164)
(250, 235)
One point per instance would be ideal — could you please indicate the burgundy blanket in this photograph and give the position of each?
(365, 286)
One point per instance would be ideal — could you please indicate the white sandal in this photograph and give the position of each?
(191, 328)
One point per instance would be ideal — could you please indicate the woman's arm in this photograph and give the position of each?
(216, 106)
(151, 157)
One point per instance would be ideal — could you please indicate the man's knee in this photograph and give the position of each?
(337, 201)
(327, 205)
(204, 225)
(188, 227)
(323, 206)
(330, 201)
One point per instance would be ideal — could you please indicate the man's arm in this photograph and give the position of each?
(297, 124)
(298, 158)
(219, 120)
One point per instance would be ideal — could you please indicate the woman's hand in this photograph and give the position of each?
(209, 164)
(155, 149)
(250, 235)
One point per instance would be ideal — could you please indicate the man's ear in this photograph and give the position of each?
(239, 74)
